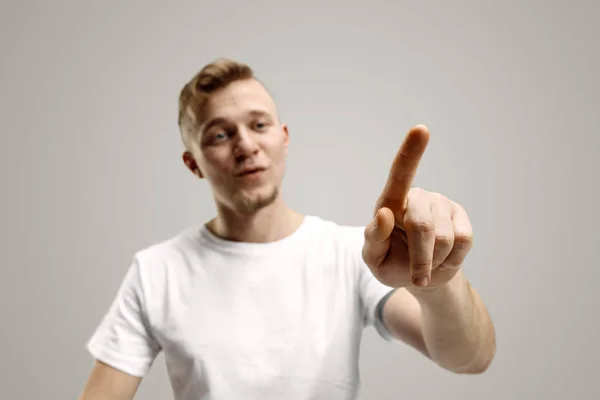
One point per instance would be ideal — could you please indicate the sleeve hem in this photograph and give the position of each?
(378, 323)
(137, 369)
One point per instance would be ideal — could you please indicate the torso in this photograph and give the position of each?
(256, 321)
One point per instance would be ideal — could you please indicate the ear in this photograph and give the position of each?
(286, 132)
(190, 162)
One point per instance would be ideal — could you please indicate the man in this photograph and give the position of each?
(262, 302)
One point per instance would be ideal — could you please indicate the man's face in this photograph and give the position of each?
(240, 147)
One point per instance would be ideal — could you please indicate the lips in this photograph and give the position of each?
(250, 171)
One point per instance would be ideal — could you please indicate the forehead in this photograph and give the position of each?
(239, 98)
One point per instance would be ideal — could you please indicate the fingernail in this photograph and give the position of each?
(421, 282)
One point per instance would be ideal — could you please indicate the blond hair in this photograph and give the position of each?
(214, 76)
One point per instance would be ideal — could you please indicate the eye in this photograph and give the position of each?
(220, 135)
(217, 137)
(260, 125)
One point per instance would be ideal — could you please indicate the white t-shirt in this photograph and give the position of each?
(278, 320)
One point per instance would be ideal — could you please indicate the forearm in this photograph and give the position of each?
(456, 326)
(108, 383)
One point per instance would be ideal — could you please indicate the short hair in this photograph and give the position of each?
(212, 77)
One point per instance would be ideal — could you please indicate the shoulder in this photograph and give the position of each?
(157, 257)
(345, 240)
(343, 233)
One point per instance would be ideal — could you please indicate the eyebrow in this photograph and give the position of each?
(213, 122)
(259, 113)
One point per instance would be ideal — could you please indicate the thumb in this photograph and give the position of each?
(377, 237)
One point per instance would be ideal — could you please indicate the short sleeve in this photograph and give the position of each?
(123, 339)
(373, 294)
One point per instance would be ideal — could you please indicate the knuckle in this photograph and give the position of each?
(371, 228)
(459, 207)
(421, 265)
(437, 196)
(371, 233)
(424, 226)
(445, 240)
(463, 240)
(366, 255)
(367, 232)
(416, 192)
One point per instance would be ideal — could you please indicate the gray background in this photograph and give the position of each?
(91, 164)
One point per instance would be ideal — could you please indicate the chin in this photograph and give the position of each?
(249, 203)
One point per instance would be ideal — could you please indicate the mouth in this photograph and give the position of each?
(250, 172)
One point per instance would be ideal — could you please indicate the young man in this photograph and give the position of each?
(262, 302)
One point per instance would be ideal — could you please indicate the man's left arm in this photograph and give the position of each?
(449, 324)
(417, 242)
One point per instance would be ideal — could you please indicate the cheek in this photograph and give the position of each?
(215, 166)
(278, 158)
(279, 150)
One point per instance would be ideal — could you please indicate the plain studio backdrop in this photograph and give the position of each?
(92, 171)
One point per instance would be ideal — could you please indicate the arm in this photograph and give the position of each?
(417, 242)
(449, 324)
(123, 345)
(108, 383)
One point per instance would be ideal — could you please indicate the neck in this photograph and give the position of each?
(273, 222)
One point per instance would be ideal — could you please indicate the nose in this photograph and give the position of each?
(245, 144)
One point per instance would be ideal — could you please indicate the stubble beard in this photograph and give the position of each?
(250, 204)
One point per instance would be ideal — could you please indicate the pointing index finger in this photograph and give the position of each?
(404, 168)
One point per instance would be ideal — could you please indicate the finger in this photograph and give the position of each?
(463, 237)
(404, 168)
(420, 234)
(444, 229)
(377, 237)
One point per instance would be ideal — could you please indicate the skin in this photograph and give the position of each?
(247, 133)
(416, 242)
(108, 383)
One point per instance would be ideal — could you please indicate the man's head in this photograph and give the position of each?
(233, 137)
